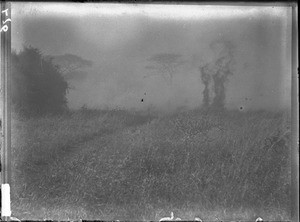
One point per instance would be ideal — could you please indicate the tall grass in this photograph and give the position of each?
(117, 164)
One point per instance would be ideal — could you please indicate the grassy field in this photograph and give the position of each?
(116, 164)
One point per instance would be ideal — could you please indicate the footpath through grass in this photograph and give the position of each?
(109, 165)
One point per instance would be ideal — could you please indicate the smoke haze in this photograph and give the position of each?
(120, 38)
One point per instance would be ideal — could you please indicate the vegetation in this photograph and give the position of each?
(38, 87)
(219, 71)
(124, 165)
(165, 64)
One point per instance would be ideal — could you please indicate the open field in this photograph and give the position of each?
(116, 164)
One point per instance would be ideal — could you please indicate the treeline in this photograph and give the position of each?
(37, 85)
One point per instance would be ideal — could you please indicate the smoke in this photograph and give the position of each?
(218, 70)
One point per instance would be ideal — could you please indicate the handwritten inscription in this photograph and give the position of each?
(5, 27)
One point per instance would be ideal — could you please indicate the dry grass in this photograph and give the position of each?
(120, 165)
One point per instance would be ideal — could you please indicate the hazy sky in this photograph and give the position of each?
(120, 38)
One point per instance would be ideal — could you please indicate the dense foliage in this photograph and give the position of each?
(37, 85)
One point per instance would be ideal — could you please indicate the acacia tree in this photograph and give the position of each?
(165, 64)
(69, 63)
(71, 66)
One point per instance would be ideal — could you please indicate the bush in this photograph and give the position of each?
(37, 85)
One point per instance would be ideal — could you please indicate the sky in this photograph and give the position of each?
(120, 38)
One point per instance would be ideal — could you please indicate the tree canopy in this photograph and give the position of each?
(69, 63)
(165, 64)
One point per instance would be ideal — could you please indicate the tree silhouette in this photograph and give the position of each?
(218, 70)
(69, 63)
(71, 66)
(165, 64)
(206, 79)
(37, 84)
